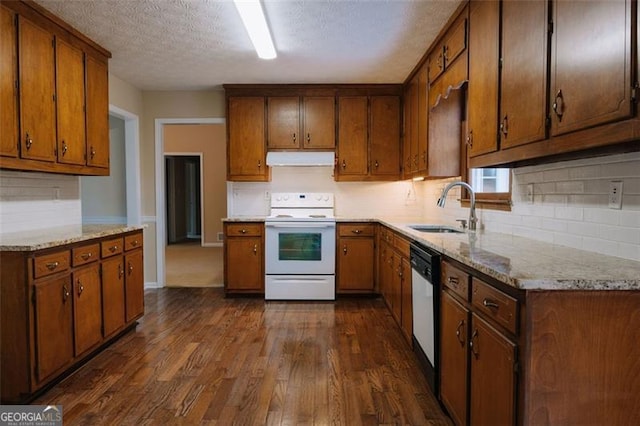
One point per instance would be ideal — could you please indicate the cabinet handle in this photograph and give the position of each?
(85, 256)
(112, 249)
(344, 249)
(490, 304)
(558, 105)
(64, 148)
(356, 231)
(470, 138)
(344, 165)
(440, 59)
(255, 249)
(376, 165)
(120, 271)
(294, 138)
(308, 138)
(65, 293)
(28, 141)
(134, 243)
(243, 231)
(259, 164)
(452, 280)
(52, 265)
(93, 152)
(80, 288)
(504, 126)
(460, 325)
(130, 268)
(472, 346)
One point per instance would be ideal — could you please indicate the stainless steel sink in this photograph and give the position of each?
(436, 229)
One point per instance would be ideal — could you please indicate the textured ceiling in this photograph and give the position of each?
(201, 44)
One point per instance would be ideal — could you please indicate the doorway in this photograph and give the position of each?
(184, 200)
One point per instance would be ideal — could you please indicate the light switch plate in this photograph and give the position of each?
(529, 194)
(615, 194)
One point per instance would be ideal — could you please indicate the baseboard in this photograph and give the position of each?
(211, 244)
(151, 284)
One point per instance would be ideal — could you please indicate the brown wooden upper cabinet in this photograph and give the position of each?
(368, 138)
(448, 49)
(246, 150)
(484, 42)
(306, 122)
(55, 105)
(591, 64)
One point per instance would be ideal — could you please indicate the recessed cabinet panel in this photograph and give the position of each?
(353, 153)
(97, 113)
(319, 122)
(384, 137)
(37, 92)
(87, 297)
(246, 151)
(8, 84)
(113, 298)
(70, 103)
(590, 72)
(524, 72)
(283, 122)
(134, 283)
(355, 264)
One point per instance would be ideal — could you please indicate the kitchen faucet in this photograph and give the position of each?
(472, 211)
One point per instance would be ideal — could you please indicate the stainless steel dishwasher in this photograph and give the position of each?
(425, 279)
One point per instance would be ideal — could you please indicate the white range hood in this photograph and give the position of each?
(300, 158)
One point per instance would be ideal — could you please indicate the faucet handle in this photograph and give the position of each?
(463, 223)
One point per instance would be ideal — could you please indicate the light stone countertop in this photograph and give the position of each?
(59, 236)
(520, 262)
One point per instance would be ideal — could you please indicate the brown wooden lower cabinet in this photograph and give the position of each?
(243, 257)
(355, 254)
(60, 305)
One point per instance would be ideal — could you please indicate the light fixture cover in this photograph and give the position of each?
(256, 25)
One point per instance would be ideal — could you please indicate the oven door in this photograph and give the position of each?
(300, 248)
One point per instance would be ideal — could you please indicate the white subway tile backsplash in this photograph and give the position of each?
(598, 245)
(630, 219)
(619, 234)
(554, 225)
(583, 229)
(584, 172)
(555, 175)
(569, 213)
(569, 240)
(602, 216)
(571, 187)
(629, 251)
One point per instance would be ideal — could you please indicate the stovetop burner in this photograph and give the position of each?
(296, 206)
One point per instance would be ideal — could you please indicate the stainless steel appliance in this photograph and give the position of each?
(300, 244)
(425, 282)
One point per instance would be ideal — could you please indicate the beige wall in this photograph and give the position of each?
(125, 96)
(210, 140)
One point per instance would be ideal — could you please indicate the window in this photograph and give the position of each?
(492, 187)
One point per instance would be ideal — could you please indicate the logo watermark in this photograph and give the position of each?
(30, 415)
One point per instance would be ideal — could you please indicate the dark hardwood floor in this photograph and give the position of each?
(198, 358)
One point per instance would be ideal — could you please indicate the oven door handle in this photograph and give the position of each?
(300, 225)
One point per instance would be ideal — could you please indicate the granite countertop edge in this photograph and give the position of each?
(59, 236)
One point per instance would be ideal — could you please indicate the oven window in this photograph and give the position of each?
(300, 246)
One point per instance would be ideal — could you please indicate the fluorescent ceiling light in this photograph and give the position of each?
(256, 25)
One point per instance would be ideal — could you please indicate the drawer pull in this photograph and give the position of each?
(255, 249)
(243, 231)
(85, 256)
(113, 248)
(490, 304)
(52, 265)
(344, 249)
(460, 325)
(356, 231)
(134, 243)
(452, 280)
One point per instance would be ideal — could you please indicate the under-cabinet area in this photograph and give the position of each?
(64, 301)
(506, 330)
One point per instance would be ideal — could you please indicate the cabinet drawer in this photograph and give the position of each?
(133, 241)
(386, 235)
(401, 244)
(111, 247)
(51, 263)
(497, 305)
(356, 229)
(455, 279)
(85, 254)
(244, 230)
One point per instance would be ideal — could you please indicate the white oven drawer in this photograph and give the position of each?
(300, 287)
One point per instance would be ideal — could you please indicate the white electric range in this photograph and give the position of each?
(300, 247)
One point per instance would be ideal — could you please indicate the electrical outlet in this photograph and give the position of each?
(529, 194)
(267, 195)
(615, 194)
(56, 193)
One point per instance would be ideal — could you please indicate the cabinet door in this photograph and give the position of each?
(87, 298)
(493, 375)
(246, 144)
(414, 99)
(319, 122)
(53, 325)
(134, 285)
(352, 136)
(454, 326)
(396, 287)
(71, 144)
(590, 73)
(8, 84)
(406, 132)
(283, 122)
(524, 72)
(97, 113)
(484, 32)
(355, 264)
(423, 119)
(37, 92)
(436, 63)
(384, 136)
(113, 299)
(406, 320)
(243, 264)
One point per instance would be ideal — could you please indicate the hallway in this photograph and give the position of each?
(190, 265)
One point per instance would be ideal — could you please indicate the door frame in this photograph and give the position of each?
(192, 154)
(161, 220)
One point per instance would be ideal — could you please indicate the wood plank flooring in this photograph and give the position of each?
(198, 358)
